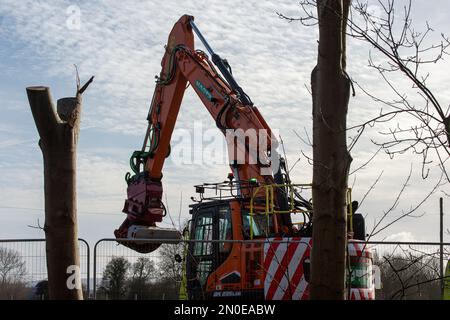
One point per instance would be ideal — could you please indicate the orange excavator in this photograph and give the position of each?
(243, 241)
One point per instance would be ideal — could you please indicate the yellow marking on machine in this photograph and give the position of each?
(270, 203)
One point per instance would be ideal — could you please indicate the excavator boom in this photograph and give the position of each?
(229, 106)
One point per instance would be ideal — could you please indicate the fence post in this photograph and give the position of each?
(88, 255)
(95, 269)
(441, 246)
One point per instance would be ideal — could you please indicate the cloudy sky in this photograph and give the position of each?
(121, 43)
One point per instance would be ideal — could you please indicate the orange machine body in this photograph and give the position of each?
(181, 65)
(233, 247)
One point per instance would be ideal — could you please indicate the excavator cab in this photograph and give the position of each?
(225, 251)
(237, 253)
(211, 225)
(218, 263)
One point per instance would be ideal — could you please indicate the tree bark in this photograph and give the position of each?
(331, 160)
(58, 133)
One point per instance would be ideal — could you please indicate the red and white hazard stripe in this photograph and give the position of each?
(284, 275)
(359, 249)
(361, 294)
(283, 265)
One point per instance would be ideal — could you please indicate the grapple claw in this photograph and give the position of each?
(144, 208)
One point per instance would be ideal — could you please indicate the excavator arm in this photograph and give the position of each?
(229, 106)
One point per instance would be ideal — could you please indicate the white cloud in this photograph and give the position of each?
(404, 236)
(122, 45)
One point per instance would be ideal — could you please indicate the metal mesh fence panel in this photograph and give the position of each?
(121, 273)
(409, 271)
(23, 270)
(401, 271)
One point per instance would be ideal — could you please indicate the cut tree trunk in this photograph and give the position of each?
(331, 159)
(58, 133)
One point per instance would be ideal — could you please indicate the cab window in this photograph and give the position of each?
(225, 229)
(203, 232)
(261, 224)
